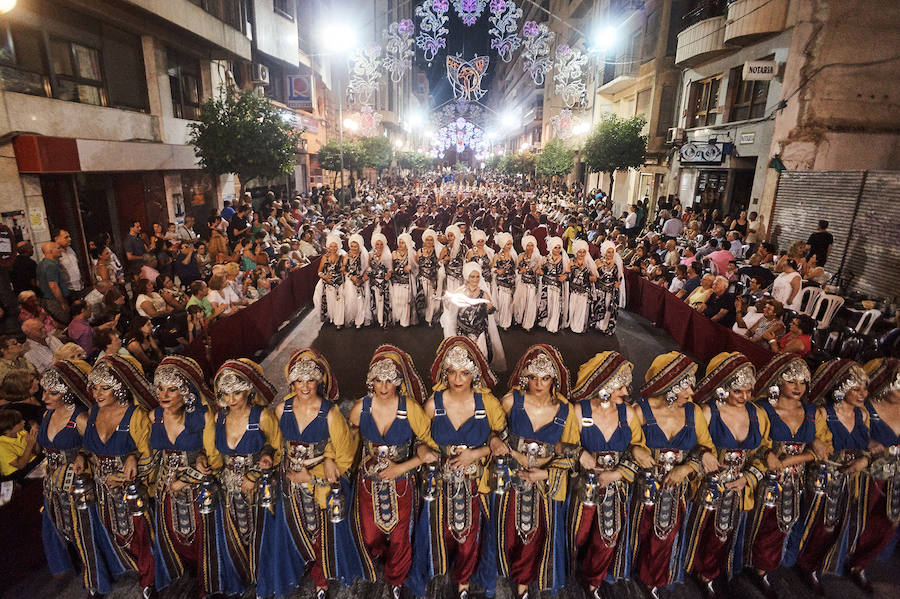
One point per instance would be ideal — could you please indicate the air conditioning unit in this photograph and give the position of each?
(674, 135)
(260, 74)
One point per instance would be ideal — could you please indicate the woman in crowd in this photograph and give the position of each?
(318, 452)
(453, 256)
(466, 421)
(527, 294)
(66, 529)
(793, 428)
(678, 438)
(141, 344)
(613, 449)
(482, 255)
(610, 288)
(880, 503)
(174, 297)
(356, 288)
(531, 529)
(246, 447)
(103, 269)
(739, 430)
(204, 260)
(582, 276)
(429, 279)
(403, 281)
(117, 446)
(503, 266)
(390, 421)
(380, 271)
(328, 297)
(786, 288)
(817, 543)
(469, 312)
(798, 339)
(187, 537)
(698, 296)
(149, 303)
(553, 309)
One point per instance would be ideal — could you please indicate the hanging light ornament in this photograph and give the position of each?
(563, 124)
(505, 17)
(569, 83)
(536, 42)
(398, 48)
(459, 135)
(469, 10)
(364, 75)
(465, 76)
(432, 33)
(369, 121)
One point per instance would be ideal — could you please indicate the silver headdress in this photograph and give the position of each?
(855, 377)
(168, 376)
(52, 382)
(230, 381)
(622, 379)
(102, 374)
(386, 371)
(686, 382)
(796, 372)
(305, 369)
(459, 359)
(540, 367)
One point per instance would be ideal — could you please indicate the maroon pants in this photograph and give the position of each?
(594, 556)
(767, 546)
(711, 552)
(654, 553)
(139, 549)
(395, 547)
(316, 571)
(879, 529)
(190, 552)
(818, 544)
(524, 559)
(464, 556)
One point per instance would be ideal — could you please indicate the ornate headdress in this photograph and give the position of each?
(884, 377)
(70, 378)
(834, 378)
(783, 367)
(126, 377)
(526, 239)
(460, 353)
(602, 375)
(186, 374)
(541, 360)
(477, 235)
(403, 372)
(309, 365)
(244, 374)
(669, 374)
(726, 372)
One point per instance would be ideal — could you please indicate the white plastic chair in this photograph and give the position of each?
(868, 318)
(831, 304)
(809, 298)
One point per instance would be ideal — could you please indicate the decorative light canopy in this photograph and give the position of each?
(369, 121)
(569, 77)
(459, 135)
(398, 40)
(432, 33)
(505, 17)
(563, 124)
(469, 11)
(537, 39)
(465, 76)
(364, 75)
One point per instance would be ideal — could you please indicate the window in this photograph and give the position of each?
(666, 110)
(749, 98)
(651, 32)
(642, 107)
(79, 77)
(704, 101)
(185, 84)
(22, 65)
(285, 8)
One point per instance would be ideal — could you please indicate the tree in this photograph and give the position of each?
(376, 152)
(555, 160)
(245, 134)
(329, 157)
(615, 144)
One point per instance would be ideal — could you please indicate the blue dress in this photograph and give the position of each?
(879, 430)
(780, 432)
(305, 519)
(63, 525)
(258, 539)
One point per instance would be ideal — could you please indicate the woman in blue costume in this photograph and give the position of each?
(881, 500)
(117, 441)
(793, 428)
(740, 432)
(391, 422)
(466, 420)
(66, 523)
(187, 538)
(245, 446)
(678, 439)
(318, 453)
(541, 446)
(830, 521)
(613, 449)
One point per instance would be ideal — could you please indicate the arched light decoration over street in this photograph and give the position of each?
(604, 39)
(336, 37)
(7, 5)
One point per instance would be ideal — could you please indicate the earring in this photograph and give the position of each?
(774, 392)
(721, 395)
(604, 398)
(671, 398)
(190, 403)
(69, 401)
(838, 396)
(122, 396)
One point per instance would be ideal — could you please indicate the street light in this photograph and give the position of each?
(604, 39)
(350, 124)
(7, 5)
(509, 120)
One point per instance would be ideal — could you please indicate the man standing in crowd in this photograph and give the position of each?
(185, 230)
(238, 225)
(820, 243)
(24, 269)
(673, 227)
(68, 262)
(53, 283)
(134, 248)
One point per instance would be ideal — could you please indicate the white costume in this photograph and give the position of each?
(332, 309)
(379, 284)
(581, 289)
(452, 273)
(431, 278)
(504, 284)
(609, 298)
(403, 283)
(467, 316)
(528, 284)
(553, 309)
(356, 296)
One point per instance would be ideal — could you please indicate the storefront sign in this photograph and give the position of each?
(702, 153)
(300, 91)
(748, 138)
(759, 70)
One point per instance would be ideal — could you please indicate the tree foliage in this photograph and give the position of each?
(556, 159)
(245, 134)
(616, 144)
(414, 161)
(376, 152)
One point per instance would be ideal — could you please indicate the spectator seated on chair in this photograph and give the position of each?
(798, 339)
(18, 445)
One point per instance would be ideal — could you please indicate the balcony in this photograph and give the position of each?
(701, 42)
(750, 20)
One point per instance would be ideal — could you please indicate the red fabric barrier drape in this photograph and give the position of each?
(696, 334)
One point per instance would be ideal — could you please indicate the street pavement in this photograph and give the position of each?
(349, 351)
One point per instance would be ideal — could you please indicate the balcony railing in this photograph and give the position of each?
(702, 10)
(229, 12)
